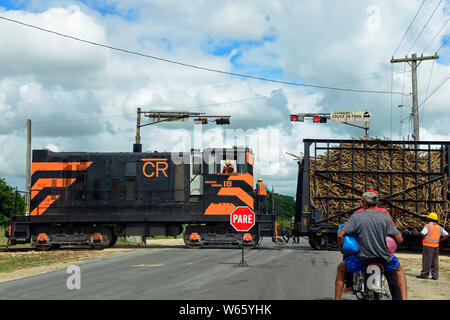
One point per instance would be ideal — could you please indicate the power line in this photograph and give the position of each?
(444, 80)
(392, 84)
(195, 66)
(432, 14)
(443, 44)
(292, 92)
(428, 86)
(437, 33)
(409, 27)
(84, 119)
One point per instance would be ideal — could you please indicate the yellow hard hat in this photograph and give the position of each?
(259, 179)
(227, 161)
(433, 216)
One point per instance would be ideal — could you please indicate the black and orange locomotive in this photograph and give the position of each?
(94, 198)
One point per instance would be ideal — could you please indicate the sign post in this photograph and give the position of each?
(242, 219)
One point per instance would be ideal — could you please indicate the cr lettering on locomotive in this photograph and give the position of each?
(155, 168)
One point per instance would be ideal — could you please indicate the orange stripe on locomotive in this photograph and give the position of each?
(42, 183)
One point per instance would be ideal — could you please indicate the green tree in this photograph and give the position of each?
(285, 209)
(7, 202)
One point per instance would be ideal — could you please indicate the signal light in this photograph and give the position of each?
(223, 121)
(297, 117)
(318, 119)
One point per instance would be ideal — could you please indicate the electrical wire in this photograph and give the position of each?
(196, 66)
(437, 33)
(444, 80)
(432, 14)
(392, 85)
(402, 105)
(224, 103)
(409, 27)
(11, 156)
(443, 44)
(83, 119)
(426, 93)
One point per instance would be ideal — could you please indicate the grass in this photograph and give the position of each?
(9, 262)
(4, 241)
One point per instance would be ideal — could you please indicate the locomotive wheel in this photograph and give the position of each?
(315, 242)
(193, 245)
(104, 243)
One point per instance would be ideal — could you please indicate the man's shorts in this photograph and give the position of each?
(353, 264)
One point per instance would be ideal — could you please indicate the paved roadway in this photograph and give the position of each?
(285, 272)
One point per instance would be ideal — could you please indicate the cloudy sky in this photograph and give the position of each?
(82, 97)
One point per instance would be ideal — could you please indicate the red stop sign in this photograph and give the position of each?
(242, 218)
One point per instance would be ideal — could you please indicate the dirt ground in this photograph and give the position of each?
(422, 289)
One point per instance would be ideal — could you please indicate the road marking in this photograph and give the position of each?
(148, 265)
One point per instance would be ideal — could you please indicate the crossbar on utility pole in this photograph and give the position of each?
(415, 105)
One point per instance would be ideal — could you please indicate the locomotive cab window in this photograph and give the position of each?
(197, 165)
(225, 169)
(216, 162)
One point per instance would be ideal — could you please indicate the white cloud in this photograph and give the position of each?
(55, 81)
(52, 147)
(49, 57)
(239, 20)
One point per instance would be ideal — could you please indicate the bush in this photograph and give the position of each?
(7, 202)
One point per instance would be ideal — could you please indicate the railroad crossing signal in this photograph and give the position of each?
(316, 117)
(242, 219)
(169, 116)
(338, 116)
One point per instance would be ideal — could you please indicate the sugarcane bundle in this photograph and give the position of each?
(404, 176)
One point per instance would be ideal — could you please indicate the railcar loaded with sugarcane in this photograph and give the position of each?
(410, 177)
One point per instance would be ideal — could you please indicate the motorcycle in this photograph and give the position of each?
(368, 284)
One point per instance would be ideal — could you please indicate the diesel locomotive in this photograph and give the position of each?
(93, 198)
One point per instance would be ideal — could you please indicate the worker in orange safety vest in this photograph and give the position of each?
(228, 167)
(433, 234)
(261, 194)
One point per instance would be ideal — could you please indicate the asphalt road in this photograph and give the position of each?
(292, 271)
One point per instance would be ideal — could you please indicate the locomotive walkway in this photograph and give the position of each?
(172, 273)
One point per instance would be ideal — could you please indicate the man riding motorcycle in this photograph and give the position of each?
(370, 227)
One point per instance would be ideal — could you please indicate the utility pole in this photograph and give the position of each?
(28, 170)
(415, 99)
